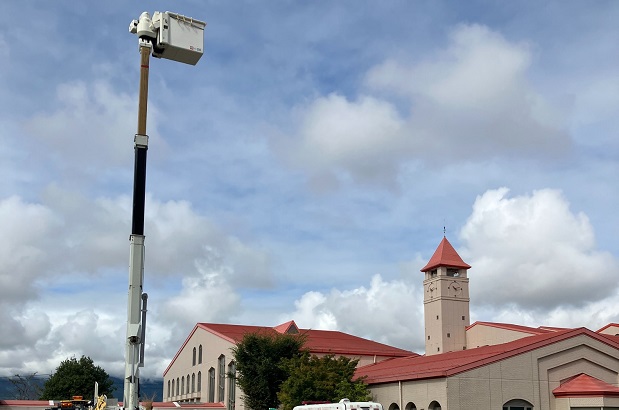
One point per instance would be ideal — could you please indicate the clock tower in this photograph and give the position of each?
(445, 300)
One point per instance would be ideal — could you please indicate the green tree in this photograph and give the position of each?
(326, 378)
(258, 358)
(75, 377)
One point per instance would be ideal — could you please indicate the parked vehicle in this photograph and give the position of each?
(343, 404)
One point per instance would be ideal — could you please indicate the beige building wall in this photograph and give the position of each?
(410, 395)
(612, 329)
(484, 335)
(213, 347)
(530, 376)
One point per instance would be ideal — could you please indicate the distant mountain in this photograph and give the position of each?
(149, 388)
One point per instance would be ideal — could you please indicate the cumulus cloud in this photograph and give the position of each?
(532, 251)
(205, 298)
(470, 101)
(70, 251)
(386, 311)
(353, 135)
(26, 239)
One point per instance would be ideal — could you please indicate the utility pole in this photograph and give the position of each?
(173, 37)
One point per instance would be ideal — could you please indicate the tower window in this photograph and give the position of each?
(438, 349)
(448, 334)
(428, 337)
(462, 317)
(436, 317)
(433, 273)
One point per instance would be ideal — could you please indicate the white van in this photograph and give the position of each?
(343, 404)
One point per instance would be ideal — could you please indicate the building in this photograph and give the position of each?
(197, 373)
(493, 366)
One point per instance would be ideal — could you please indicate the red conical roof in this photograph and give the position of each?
(584, 385)
(445, 255)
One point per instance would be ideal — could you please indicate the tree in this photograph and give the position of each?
(26, 387)
(258, 358)
(75, 377)
(327, 378)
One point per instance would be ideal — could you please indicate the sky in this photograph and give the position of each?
(305, 169)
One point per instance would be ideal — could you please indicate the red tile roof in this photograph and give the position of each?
(318, 341)
(584, 385)
(517, 328)
(445, 255)
(448, 364)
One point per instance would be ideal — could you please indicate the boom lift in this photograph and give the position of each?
(174, 37)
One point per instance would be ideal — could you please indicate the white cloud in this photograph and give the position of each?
(203, 299)
(534, 252)
(26, 240)
(387, 311)
(470, 101)
(67, 253)
(353, 135)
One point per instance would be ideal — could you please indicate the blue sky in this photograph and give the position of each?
(305, 169)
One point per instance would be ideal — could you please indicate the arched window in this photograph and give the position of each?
(222, 379)
(193, 383)
(200, 355)
(193, 362)
(435, 405)
(187, 391)
(394, 406)
(517, 404)
(231, 385)
(168, 395)
(178, 386)
(410, 406)
(183, 385)
(199, 381)
(172, 387)
(211, 385)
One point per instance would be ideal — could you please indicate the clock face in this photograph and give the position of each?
(455, 289)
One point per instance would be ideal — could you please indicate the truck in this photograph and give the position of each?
(343, 404)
